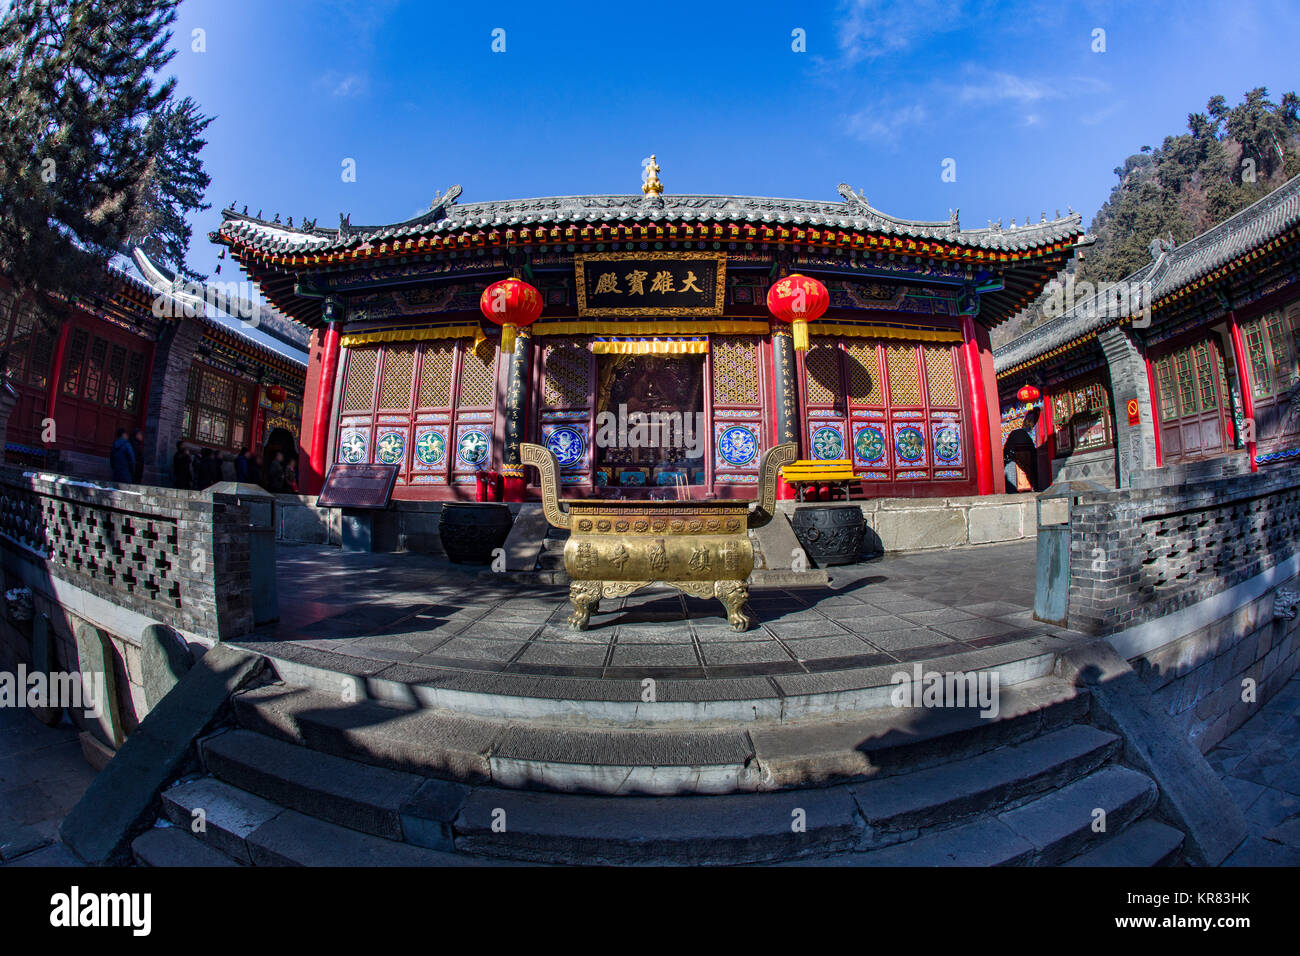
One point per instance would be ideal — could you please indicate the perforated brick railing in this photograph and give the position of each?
(1141, 553)
(179, 557)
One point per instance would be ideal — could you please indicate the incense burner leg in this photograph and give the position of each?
(585, 598)
(735, 597)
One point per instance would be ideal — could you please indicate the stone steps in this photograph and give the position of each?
(1146, 843)
(654, 759)
(1045, 831)
(267, 801)
(245, 829)
(171, 846)
(785, 697)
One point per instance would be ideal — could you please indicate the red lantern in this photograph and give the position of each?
(510, 303)
(798, 299)
(1027, 393)
(276, 394)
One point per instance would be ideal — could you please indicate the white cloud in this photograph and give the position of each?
(343, 84)
(884, 125)
(871, 28)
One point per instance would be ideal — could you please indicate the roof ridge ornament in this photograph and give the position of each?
(650, 184)
(1160, 247)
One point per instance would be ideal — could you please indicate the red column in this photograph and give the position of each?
(1047, 440)
(56, 376)
(1247, 388)
(979, 411)
(1155, 408)
(320, 432)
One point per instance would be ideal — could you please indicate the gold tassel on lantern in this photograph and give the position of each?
(508, 338)
(800, 335)
(479, 336)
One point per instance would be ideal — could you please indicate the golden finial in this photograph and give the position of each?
(651, 184)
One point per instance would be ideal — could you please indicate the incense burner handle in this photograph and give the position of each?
(769, 469)
(544, 460)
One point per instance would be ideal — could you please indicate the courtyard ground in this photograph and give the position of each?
(411, 616)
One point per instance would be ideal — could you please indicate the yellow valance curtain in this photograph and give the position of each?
(650, 346)
(718, 327)
(353, 339)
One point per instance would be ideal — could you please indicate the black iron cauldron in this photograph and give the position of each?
(830, 534)
(471, 531)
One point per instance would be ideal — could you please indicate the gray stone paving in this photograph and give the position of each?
(42, 776)
(416, 610)
(1260, 765)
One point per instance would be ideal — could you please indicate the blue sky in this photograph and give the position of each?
(885, 92)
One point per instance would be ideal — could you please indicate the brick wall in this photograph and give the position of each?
(177, 557)
(1181, 577)
(1140, 553)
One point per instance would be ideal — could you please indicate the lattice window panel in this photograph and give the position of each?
(1205, 377)
(217, 391)
(476, 379)
(95, 368)
(1185, 383)
(76, 356)
(735, 370)
(939, 375)
(1165, 383)
(865, 384)
(904, 380)
(360, 386)
(395, 386)
(566, 379)
(822, 363)
(1255, 349)
(42, 352)
(435, 375)
(116, 368)
(1091, 397)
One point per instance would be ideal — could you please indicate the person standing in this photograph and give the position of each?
(182, 467)
(241, 466)
(137, 448)
(121, 459)
(1019, 456)
(209, 469)
(275, 474)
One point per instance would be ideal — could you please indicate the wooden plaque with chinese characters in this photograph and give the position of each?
(358, 486)
(658, 283)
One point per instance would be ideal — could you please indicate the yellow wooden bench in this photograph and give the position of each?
(807, 473)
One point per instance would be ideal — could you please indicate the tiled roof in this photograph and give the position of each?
(445, 216)
(291, 347)
(1255, 225)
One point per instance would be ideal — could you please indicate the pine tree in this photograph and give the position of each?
(85, 141)
(173, 186)
(1229, 158)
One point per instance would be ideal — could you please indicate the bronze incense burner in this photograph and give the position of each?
(617, 547)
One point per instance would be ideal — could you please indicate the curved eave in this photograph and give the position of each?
(254, 350)
(1170, 300)
(1024, 271)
